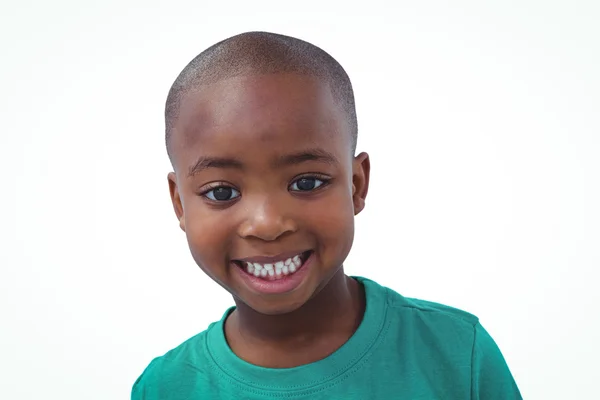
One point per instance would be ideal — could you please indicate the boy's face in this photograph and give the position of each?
(264, 172)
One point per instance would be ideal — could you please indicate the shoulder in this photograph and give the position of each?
(451, 335)
(166, 374)
(417, 309)
(431, 309)
(438, 330)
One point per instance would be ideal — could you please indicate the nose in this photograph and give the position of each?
(266, 221)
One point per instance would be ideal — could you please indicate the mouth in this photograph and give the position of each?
(273, 269)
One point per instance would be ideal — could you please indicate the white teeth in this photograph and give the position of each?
(274, 270)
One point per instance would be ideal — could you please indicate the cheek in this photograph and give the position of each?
(332, 222)
(207, 234)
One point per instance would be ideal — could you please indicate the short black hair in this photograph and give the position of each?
(261, 52)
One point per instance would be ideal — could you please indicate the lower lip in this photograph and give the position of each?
(279, 286)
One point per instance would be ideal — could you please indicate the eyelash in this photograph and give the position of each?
(217, 185)
(213, 186)
(324, 179)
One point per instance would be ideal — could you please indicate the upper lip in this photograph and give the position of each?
(271, 259)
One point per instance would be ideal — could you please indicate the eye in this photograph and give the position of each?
(306, 184)
(222, 193)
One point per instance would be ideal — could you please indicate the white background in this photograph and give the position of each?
(481, 118)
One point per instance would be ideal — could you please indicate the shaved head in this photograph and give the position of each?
(256, 53)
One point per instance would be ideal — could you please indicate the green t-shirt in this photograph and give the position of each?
(403, 349)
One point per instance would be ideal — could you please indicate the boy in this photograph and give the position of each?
(261, 131)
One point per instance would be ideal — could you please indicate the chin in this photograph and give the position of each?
(275, 307)
(280, 310)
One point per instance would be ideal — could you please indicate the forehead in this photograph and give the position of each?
(274, 112)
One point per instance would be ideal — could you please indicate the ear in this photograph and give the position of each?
(361, 168)
(176, 199)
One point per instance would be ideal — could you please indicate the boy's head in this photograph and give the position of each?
(261, 131)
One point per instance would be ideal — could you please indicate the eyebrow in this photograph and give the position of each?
(307, 155)
(214, 162)
(317, 155)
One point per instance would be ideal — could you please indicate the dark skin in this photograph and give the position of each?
(252, 138)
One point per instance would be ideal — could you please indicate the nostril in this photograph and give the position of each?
(266, 227)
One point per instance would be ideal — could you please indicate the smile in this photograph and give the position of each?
(273, 269)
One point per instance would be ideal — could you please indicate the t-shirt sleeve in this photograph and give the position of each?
(490, 376)
(139, 390)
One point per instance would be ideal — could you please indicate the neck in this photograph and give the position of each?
(337, 309)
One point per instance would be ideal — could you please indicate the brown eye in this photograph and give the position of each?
(306, 184)
(222, 193)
